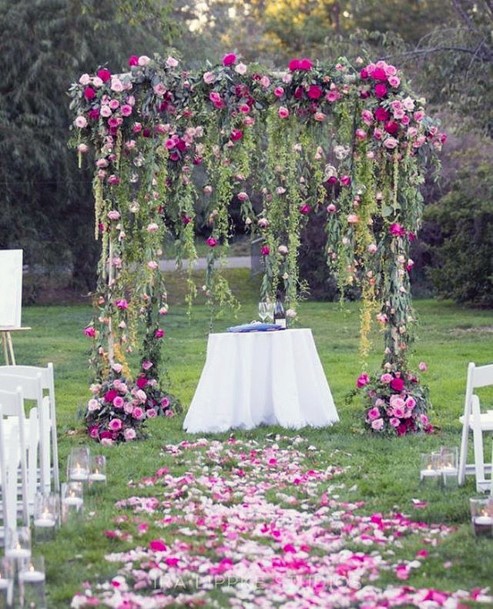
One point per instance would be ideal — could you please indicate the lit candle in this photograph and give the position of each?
(75, 501)
(44, 522)
(97, 477)
(18, 552)
(32, 576)
(78, 473)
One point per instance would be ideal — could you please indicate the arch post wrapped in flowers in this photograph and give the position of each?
(351, 143)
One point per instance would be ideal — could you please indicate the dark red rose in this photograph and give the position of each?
(332, 180)
(104, 74)
(397, 384)
(379, 74)
(363, 74)
(229, 59)
(382, 114)
(391, 127)
(93, 114)
(305, 64)
(298, 93)
(89, 93)
(294, 64)
(110, 395)
(314, 92)
(141, 382)
(380, 90)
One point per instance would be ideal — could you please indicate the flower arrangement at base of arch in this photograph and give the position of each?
(395, 401)
(119, 407)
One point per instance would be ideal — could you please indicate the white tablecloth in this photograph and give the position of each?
(272, 378)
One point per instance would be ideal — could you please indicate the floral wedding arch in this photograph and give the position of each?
(350, 143)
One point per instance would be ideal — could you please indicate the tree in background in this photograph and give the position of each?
(47, 206)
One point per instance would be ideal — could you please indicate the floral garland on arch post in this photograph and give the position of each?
(348, 143)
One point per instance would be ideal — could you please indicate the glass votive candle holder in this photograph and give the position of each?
(46, 516)
(430, 468)
(18, 543)
(97, 474)
(72, 501)
(32, 583)
(78, 464)
(482, 516)
(7, 574)
(449, 457)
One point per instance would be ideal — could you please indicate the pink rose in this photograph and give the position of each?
(395, 422)
(114, 214)
(129, 434)
(377, 424)
(211, 242)
(147, 365)
(423, 366)
(151, 413)
(362, 380)
(159, 333)
(283, 112)
(278, 91)
(90, 332)
(138, 413)
(386, 378)
(373, 414)
(118, 402)
(331, 208)
(115, 424)
(391, 143)
(208, 78)
(121, 304)
(265, 250)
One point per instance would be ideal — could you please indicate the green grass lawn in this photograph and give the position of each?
(384, 471)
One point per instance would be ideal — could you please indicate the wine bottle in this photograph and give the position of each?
(279, 312)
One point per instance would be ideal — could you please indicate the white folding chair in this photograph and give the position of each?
(478, 421)
(36, 431)
(12, 458)
(48, 387)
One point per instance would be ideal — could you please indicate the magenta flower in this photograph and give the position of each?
(159, 333)
(283, 112)
(211, 242)
(265, 250)
(121, 304)
(118, 401)
(397, 230)
(104, 74)
(133, 60)
(229, 59)
(362, 380)
(89, 93)
(90, 332)
(380, 90)
(314, 92)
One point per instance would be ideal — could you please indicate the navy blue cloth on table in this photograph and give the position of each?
(255, 327)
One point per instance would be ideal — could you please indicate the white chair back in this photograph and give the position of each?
(48, 388)
(32, 391)
(477, 421)
(12, 457)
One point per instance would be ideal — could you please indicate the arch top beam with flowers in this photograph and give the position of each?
(349, 143)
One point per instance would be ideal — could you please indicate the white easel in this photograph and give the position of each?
(10, 300)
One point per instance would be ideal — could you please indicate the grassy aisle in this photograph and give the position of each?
(383, 473)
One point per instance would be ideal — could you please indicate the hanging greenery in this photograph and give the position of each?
(351, 141)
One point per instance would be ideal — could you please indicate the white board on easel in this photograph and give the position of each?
(10, 288)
